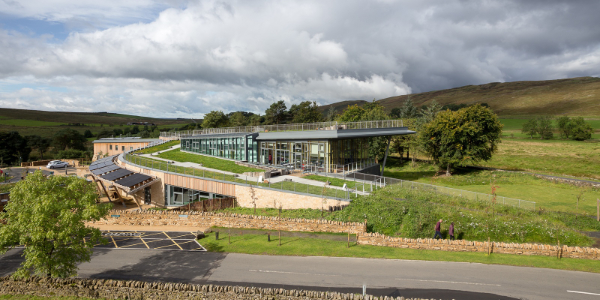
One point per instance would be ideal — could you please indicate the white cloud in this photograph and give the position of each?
(200, 56)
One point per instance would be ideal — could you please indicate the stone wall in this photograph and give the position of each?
(470, 246)
(120, 289)
(208, 219)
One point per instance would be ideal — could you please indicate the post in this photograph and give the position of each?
(348, 246)
(489, 246)
(598, 210)
(279, 227)
(558, 250)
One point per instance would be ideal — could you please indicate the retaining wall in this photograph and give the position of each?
(471, 246)
(120, 289)
(208, 219)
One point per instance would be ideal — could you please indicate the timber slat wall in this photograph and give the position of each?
(201, 185)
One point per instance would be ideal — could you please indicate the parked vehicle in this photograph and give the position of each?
(57, 164)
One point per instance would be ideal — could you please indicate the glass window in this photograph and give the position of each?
(122, 148)
(110, 147)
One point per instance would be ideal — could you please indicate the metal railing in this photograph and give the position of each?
(321, 191)
(289, 127)
(381, 181)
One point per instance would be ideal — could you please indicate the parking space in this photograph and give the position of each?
(158, 240)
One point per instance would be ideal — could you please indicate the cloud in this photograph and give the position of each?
(194, 57)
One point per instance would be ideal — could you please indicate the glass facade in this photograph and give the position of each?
(240, 147)
(177, 196)
(314, 155)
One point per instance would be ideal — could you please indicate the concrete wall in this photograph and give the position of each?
(104, 147)
(121, 289)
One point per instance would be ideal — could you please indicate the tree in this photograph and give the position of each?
(276, 113)
(48, 216)
(330, 114)
(544, 127)
(580, 129)
(466, 136)
(135, 130)
(69, 138)
(530, 127)
(395, 113)
(13, 148)
(117, 132)
(71, 153)
(126, 131)
(237, 119)
(105, 134)
(39, 143)
(215, 119)
(305, 112)
(255, 120)
(87, 134)
(565, 127)
(408, 110)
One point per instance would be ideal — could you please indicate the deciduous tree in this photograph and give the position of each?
(13, 148)
(305, 112)
(530, 128)
(69, 138)
(276, 113)
(462, 137)
(47, 216)
(215, 119)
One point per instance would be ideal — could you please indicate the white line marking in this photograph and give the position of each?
(457, 282)
(284, 272)
(578, 292)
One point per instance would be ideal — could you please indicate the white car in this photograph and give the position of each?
(57, 164)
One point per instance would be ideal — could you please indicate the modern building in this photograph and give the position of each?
(330, 147)
(113, 146)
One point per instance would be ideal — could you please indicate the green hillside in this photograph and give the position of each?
(46, 123)
(573, 97)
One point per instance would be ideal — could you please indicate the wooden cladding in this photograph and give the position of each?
(208, 205)
(200, 184)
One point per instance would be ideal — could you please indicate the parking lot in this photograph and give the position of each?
(157, 240)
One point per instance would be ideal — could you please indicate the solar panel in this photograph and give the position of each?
(105, 169)
(132, 180)
(116, 174)
(98, 166)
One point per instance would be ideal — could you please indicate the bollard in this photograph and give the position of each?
(216, 235)
(268, 236)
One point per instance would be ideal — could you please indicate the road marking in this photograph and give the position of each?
(586, 293)
(174, 242)
(298, 273)
(114, 242)
(441, 281)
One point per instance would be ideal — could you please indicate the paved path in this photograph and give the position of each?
(448, 280)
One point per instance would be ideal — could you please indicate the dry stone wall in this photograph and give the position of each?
(471, 246)
(118, 289)
(208, 219)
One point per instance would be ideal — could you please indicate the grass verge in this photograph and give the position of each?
(294, 246)
(207, 161)
(30, 297)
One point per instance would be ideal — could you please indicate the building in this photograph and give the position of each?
(329, 147)
(113, 146)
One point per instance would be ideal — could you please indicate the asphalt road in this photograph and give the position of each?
(439, 280)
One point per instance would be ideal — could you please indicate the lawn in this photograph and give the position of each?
(258, 244)
(30, 297)
(160, 147)
(207, 161)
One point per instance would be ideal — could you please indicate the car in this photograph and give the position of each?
(57, 164)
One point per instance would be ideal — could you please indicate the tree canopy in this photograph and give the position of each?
(48, 216)
(575, 129)
(276, 113)
(215, 119)
(462, 137)
(305, 112)
(13, 147)
(69, 138)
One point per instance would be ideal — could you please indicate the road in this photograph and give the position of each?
(440, 280)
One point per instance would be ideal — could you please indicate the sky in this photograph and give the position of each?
(180, 58)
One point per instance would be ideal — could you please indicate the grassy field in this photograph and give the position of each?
(160, 147)
(30, 297)
(29, 123)
(512, 128)
(207, 161)
(546, 194)
(257, 244)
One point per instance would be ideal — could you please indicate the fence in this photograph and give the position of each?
(326, 192)
(380, 181)
(290, 127)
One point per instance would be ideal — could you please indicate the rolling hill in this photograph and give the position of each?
(573, 97)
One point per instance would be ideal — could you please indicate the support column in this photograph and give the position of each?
(387, 149)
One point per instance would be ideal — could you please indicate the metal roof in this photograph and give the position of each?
(219, 135)
(333, 134)
(125, 140)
